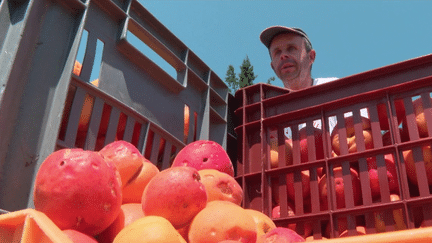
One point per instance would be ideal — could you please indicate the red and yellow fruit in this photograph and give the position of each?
(176, 194)
(351, 136)
(221, 186)
(204, 154)
(78, 189)
(222, 220)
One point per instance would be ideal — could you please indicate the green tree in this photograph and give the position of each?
(246, 76)
(231, 79)
(271, 80)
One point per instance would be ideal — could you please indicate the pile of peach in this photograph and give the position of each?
(117, 195)
(358, 137)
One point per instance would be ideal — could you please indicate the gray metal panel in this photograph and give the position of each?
(39, 42)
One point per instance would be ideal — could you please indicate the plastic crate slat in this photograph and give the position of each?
(166, 159)
(420, 171)
(410, 118)
(382, 178)
(427, 108)
(342, 134)
(348, 186)
(112, 125)
(155, 148)
(130, 124)
(75, 114)
(314, 191)
(95, 120)
(375, 127)
(365, 182)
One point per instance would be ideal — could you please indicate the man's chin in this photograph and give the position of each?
(292, 83)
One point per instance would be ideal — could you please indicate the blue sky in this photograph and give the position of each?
(349, 36)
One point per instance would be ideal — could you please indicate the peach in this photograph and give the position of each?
(305, 179)
(78, 237)
(134, 188)
(276, 215)
(360, 230)
(149, 229)
(397, 217)
(204, 154)
(77, 68)
(351, 135)
(221, 186)
(263, 222)
(411, 167)
(307, 230)
(420, 118)
(85, 193)
(176, 194)
(184, 232)
(281, 235)
(222, 220)
(342, 225)
(125, 156)
(318, 143)
(339, 188)
(386, 137)
(312, 238)
(382, 114)
(129, 213)
(391, 175)
(274, 152)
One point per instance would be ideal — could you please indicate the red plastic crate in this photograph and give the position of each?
(265, 113)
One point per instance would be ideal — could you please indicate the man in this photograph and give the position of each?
(291, 56)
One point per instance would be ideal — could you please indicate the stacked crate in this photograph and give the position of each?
(321, 186)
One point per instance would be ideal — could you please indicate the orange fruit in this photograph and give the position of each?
(134, 188)
(78, 237)
(129, 213)
(149, 229)
(176, 194)
(222, 220)
(360, 230)
(221, 186)
(126, 158)
(77, 189)
(77, 68)
(204, 154)
(263, 222)
(311, 238)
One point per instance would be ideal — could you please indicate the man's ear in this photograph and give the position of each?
(312, 55)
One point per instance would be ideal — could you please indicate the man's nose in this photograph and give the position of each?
(284, 55)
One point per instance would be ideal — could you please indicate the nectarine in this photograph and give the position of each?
(84, 194)
(222, 220)
(263, 222)
(339, 188)
(281, 235)
(176, 194)
(149, 229)
(221, 186)
(204, 154)
(410, 164)
(351, 135)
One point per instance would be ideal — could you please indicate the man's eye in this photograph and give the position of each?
(276, 53)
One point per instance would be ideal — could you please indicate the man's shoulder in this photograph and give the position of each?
(318, 81)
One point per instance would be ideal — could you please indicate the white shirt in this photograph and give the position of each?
(332, 120)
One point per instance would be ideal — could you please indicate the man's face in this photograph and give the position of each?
(290, 61)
